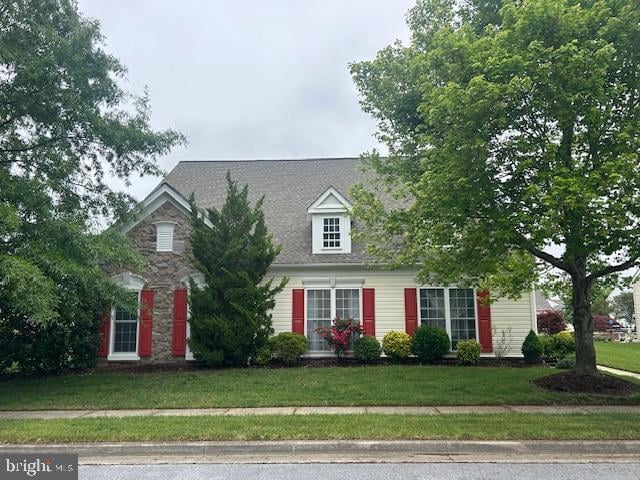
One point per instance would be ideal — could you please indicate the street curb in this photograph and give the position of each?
(351, 448)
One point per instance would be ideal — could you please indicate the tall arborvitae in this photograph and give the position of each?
(230, 316)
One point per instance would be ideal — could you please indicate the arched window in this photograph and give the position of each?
(125, 325)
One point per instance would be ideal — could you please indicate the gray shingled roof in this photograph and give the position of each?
(289, 186)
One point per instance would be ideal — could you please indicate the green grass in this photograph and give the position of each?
(511, 426)
(377, 385)
(625, 356)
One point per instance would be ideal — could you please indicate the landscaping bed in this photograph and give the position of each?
(330, 361)
(594, 384)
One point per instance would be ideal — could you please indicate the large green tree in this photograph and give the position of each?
(66, 127)
(231, 313)
(513, 128)
(624, 307)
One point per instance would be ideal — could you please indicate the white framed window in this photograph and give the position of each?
(164, 236)
(124, 331)
(331, 232)
(323, 305)
(330, 223)
(453, 309)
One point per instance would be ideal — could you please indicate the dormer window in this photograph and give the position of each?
(164, 236)
(331, 232)
(330, 223)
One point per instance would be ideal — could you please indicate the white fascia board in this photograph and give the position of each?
(163, 193)
(318, 207)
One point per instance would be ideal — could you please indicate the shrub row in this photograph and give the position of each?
(428, 344)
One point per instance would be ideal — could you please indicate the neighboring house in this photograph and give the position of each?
(545, 303)
(306, 209)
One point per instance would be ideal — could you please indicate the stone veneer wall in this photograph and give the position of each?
(163, 273)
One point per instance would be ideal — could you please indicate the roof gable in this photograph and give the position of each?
(331, 201)
(159, 196)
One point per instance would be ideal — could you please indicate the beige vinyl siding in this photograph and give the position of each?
(389, 301)
(515, 315)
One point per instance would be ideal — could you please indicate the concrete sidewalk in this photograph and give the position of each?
(341, 451)
(617, 371)
(417, 410)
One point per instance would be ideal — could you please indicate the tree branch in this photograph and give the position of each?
(27, 148)
(547, 257)
(632, 262)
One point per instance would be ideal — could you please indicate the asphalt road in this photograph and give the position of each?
(387, 471)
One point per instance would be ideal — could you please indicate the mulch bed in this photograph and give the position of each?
(325, 362)
(322, 362)
(572, 382)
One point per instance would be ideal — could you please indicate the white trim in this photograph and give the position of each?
(158, 197)
(122, 357)
(276, 266)
(333, 282)
(348, 282)
(129, 280)
(164, 221)
(325, 282)
(319, 206)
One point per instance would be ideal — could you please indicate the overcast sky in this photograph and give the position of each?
(253, 78)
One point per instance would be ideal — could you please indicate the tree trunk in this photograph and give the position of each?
(583, 325)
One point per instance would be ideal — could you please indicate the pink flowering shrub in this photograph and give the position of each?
(340, 334)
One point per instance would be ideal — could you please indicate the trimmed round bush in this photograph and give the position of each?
(430, 344)
(396, 345)
(532, 348)
(468, 352)
(558, 346)
(288, 347)
(367, 349)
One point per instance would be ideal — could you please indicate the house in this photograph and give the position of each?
(306, 209)
(545, 303)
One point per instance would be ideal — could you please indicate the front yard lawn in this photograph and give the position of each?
(625, 356)
(376, 385)
(511, 426)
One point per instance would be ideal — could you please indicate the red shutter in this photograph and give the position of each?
(297, 317)
(368, 312)
(103, 350)
(179, 332)
(484, 322)
(410, 310)
(146, 323)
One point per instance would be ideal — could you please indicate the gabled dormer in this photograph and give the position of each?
(330, 223)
